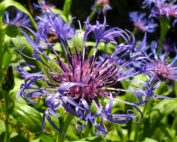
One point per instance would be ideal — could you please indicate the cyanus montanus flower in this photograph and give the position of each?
(141, 23)
(162, 8)
(81, 79)
(103, 4)
(159, 64)
(18, 20)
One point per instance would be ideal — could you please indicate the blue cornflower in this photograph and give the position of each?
(19, 19)
(43, 6)
(141, 23)
(169, 46)
(162, 8)
(53, 24)
(148, 3)
(159, 64)
(83, 79)
(103, 4)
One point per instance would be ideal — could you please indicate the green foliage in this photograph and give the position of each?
(67, 8)
(164, 27)
(24, 120)
(12, 31)
(27, 117)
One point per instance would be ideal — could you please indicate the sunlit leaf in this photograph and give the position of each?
(28, 117)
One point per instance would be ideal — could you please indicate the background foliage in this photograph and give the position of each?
(22, 121)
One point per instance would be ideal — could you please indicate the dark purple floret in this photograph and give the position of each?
(81, 80)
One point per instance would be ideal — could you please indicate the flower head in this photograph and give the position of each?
(104, 4)
(162, 8)
(43, 6)
(141, 23)
(81, 80)
(147, 3)
(169, 46)
(160, 63)
(19, 19)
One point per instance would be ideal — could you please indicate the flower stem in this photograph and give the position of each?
(64, 127)
(146, 111)
(164, 27)
(92, 14)
(135, 31)
(67, 8)
(2, 34)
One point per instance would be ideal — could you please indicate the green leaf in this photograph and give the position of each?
(91, 139)
(175, 88)
(113, 136)
(2, 36)
(21, 44)
(149, 140)
(2, 136)
(174, 126)
(18, 138)
(167, 106)
(7, 55)
(67, 7)
(164, 27)
(28, 117)
(12, 30)
(2, 128)
(57, 11)
(45, 138)
(163, 89)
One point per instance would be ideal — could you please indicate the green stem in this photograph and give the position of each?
(64, 127)
(138, 128)
(7, 134)
(135, 31)
(67, 8)
(121, 134)
(92, 14)
(146, 110)
(2, 35)
(164, 27)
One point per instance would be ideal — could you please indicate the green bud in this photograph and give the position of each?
(8, 82)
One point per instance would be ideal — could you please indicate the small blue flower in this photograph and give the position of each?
(169, 46)
(53, 24)
(162, 8)
(160, 65)
(19, 20)
(83, 79)
(148, 3)
(43, 6)
(141, 23)
(104, 4)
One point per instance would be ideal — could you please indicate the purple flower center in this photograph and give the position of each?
(140, 26)
(162, 69)
(167, 9)
(102, 2)
(93, 76)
